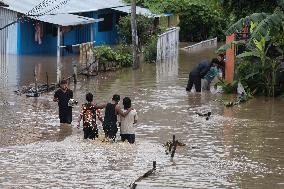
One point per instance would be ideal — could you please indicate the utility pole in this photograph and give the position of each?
(134, 34)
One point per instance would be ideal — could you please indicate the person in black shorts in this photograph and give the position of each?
(62, 96)
(112, 110)
(199, 71)
(127, 128)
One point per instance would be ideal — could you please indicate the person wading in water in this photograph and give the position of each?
(127, 129)
(112, 110)
(62, 96)
(89, 113)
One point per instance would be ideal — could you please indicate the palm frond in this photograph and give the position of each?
(239, 25)
(249, 54)
(272, 21)
(226, 46)
(281, 3)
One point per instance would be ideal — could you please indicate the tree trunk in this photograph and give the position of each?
(134, 34)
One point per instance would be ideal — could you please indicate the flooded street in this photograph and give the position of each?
(238, 147)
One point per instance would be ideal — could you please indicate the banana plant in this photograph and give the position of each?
(264, 28)
(262, 23)
(267, 68)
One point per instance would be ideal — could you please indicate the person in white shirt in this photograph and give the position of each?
(127, 130)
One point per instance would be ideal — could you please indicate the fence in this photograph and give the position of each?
(167, 45)
(202, 45)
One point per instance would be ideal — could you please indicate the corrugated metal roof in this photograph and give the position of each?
(60, 6)
(55, 11)
(139, 10)
(65, 19)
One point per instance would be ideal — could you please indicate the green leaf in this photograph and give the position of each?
(251, 75)
(239, 25)
(224, 47)
(280, 3)
(249, 54)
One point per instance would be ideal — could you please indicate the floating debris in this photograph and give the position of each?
(238, 100)
(207, 115)
(35, 92)
(32, 94)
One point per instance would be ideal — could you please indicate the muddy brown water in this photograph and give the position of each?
(238, 147)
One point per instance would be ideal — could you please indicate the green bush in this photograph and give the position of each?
(247, 73)
(119, 55)
(145, 29)
(124, 55)
(199, 22)
(151, 50)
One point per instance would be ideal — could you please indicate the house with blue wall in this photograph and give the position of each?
(61, 26)
(66, 24)
(102, 31)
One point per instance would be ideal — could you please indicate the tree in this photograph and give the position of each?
(145, 29)
(237, 9)
(266, 31)
(199, 19)
(199, 22)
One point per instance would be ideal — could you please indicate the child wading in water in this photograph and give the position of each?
(127, 130)
(89, 113)
(112, 110)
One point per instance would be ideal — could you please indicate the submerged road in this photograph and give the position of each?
(238, 147)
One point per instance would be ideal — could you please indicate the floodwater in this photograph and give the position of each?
(238, 147)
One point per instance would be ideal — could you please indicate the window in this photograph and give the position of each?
(105, 25)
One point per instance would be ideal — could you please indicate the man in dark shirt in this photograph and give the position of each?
(62, 96)
(198, 72)
(112, 110)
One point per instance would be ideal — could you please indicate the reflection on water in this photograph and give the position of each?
(3, 71)
(238, 147)
(167, 70)
(7, 71)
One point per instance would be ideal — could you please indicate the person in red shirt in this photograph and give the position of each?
(89, 113)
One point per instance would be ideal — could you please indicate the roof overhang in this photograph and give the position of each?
(58, 12)
(65, 19)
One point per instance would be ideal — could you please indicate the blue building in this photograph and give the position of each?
(49, 26)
